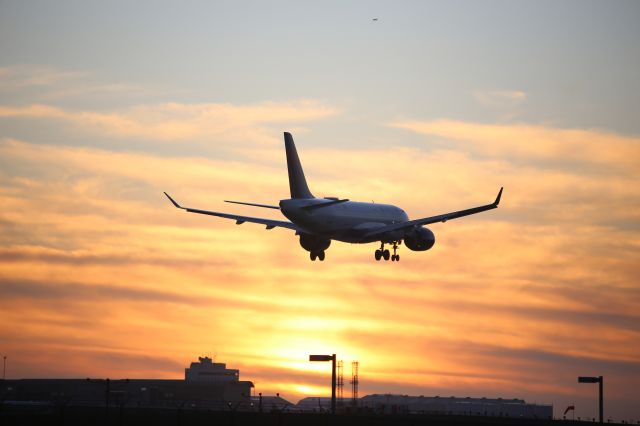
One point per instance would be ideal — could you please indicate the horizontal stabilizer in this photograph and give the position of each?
(321, 205)
(266, 206)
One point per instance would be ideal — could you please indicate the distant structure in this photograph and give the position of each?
(207, 371)
(406, 404)
(206, 385)
(314, 404)
(268, 404)
(354, 383)
(495, 407)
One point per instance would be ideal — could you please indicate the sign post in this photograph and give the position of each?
(600, 381)
(331, 358)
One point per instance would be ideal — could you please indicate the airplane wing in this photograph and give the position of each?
(269, 223)
(434, 219)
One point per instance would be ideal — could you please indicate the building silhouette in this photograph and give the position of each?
(207, 371)
(206, 385)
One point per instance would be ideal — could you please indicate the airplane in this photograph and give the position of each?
(318, 221)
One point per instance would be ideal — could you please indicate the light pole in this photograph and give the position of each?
(4, 366)
(331, 358)
(600, 381)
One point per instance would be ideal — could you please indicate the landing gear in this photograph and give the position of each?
(382, 253)
(316, 254)
(395, 257)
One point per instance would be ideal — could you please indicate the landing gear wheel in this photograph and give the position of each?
(378, 254)
(397, 258)
(312, 255)
(393, 257)
(321, 256)
(386, 254)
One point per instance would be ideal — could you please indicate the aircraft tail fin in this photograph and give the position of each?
(297, 181)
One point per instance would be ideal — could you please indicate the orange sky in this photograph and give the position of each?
(432, 106)
(101, 276)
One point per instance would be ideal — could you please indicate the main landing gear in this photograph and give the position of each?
(317, 254)
(381, 253)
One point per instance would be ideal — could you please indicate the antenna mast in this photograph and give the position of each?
(354, 383)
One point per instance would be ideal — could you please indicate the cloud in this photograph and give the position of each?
(93, 256)
(500, 98)
(47, 84)
(537, 145)
(20, 77)
(177, 121)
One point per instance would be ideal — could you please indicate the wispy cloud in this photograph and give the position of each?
(533, 144)
(500, 98)
(49, 84)
(20, 77)
(177, 121)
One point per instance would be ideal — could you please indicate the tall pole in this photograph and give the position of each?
(4, 367)
(333, 384)
(601, 385)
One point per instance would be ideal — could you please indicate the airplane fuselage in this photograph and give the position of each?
(347, 221)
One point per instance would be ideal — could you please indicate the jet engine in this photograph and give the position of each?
(419, 239)
(314, 243)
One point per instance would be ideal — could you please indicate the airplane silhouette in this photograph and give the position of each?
(318, 221)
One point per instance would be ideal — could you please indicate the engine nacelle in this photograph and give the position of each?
(313, 243)
(419, 239)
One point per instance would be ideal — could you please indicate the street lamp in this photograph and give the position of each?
(331, 358)
(600, 381)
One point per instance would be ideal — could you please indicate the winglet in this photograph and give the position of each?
(497, 201)
(173, 201)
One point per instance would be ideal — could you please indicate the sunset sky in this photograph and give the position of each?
(433, 107)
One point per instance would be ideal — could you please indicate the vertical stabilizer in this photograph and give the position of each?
(297, 182)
